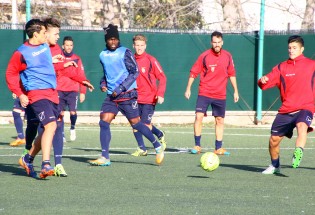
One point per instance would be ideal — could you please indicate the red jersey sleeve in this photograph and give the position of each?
(274, 79)
(81, 73)
(160, 76)
(198, 66)
(15, 66)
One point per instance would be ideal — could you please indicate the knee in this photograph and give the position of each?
(103, 124)
(274, 141)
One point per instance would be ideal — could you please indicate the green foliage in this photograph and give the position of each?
(169, 14)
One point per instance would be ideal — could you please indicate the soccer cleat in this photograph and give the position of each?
(29, 168)
(297, 157)
(47, 170)
(221, 151)
(60, 171)
(72, 135)
(196, 150)
(139, 152)
(271, 170)
(162, 140)
(25, 151)
(101, 161)
(17, 142)
(159, 155)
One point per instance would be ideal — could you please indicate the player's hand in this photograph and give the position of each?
(70, 63)
(160, 99)
(264, 79)
(118, 91)
(82, 97)
(58, 58)
(88, 85)
(187, 94)
(103, 89)
(14, 96)
(23, 100)
(236, 97)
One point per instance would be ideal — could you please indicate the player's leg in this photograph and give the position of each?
(130, 110)
(202, 105)
(47, 113)
(18, 123)
(157, 132)
(73, 105)
(218, 111)
(303, 122)
(58, 148)
(62, 107)
(31, 128)
(141, 150)
(108, 112)
(281, 127)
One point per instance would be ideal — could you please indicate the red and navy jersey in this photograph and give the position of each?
(65, 83)
(61, 71)
(214, 70)
(295, 80)
(16, 65)
(150, 71)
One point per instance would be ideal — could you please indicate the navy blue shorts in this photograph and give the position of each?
(284, 124)
(217, 106)
(17, 105)
(128, 108)
(46, 111)
(146, 112)
(68, 99)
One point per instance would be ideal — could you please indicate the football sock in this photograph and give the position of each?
(276, 162)
(218, 144)
(73, 120)
(58, 143)
(105, 137)
(300, 148)
(147, 133)
(31, 131)
(63, 127)
(18, 124)
(139, 138)
(157, 132)
(197, 140)
(45, 162)
(28, 158)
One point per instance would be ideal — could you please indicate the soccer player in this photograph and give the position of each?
(149, 92)
(214, 66)
(31, 76)
(53, 30)
(119, 81)
(18, 122)
(33, 62)
(68, 89)
(295, 80)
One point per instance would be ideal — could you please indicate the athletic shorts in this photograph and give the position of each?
(146, 112)
(217, 106)
(46, 111)
(128, 108)
(68, 99)
(17, 105)
(284, 124)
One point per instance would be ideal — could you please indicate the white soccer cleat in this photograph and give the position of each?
(72, 135)
(271, 170)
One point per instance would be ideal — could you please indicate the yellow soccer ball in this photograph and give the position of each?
(209, 161)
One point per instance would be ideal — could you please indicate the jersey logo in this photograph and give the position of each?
(134, 105)
(150, 117)
(143, 69)
(41, 116)
(212, 67)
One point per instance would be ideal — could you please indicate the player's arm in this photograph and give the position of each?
(234, 85)
(271, 79)
(80, 70)
(15, 66)
(196, 69)
(188, 88)
(132, 68)
(161, 77)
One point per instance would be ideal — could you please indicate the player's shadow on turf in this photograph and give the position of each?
(99, 150)
(86, 160)
(249, 168)
(14, 169)
(4, 144)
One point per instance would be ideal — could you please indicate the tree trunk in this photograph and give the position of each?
(308, 20)
(86, 17)
(233, 16)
